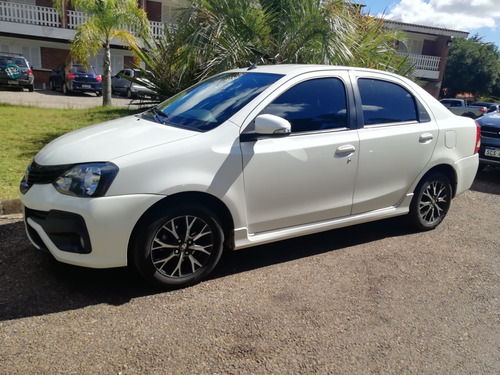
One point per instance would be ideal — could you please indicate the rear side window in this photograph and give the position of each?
(386, 102)
(312, 105)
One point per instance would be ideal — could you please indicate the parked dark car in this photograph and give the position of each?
(15, 71)
(494, 108)
(128, 82)
(489, 153)
(75, 79)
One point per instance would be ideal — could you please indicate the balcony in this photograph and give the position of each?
(425, 66)
(27, 14)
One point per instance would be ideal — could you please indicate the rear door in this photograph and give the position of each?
(397, 140)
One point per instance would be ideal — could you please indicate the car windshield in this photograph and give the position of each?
(208, 104)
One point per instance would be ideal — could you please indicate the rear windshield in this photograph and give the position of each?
(6, 60)
(80, 69)
(211, 102)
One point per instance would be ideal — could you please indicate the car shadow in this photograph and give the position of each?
(33, 283)
(487, 181)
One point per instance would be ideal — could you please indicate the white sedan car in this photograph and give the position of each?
(247, 157)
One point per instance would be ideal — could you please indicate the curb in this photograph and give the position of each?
(11, 206)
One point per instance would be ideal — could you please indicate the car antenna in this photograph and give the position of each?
(258, 60)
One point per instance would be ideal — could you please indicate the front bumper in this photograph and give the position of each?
(142, 90)
(89, 232)
(489, 142)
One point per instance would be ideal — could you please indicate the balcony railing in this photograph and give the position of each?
(46, 16)
(29, 14)
(425, 62)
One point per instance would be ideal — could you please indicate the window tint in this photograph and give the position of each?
(211, 102)
(385, 102)
(312, 105)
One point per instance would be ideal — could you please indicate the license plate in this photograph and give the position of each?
(86, 86)
(492, 151)
(13, 82)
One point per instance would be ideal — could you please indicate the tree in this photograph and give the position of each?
(106, 19)
(472, 67)
(215, 35)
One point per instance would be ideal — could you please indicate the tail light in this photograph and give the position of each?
(30, 72)
(70, 75)
(99, 78)
(478, 138)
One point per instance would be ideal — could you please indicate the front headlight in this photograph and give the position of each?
(87, 180)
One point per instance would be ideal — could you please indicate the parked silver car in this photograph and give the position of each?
(128, 82)
(247, 157)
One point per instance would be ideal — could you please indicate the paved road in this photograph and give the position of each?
(371, 299)
(56, 99)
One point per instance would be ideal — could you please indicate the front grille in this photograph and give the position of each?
(490, 131)
(40, 174)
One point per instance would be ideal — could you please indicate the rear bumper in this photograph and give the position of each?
(466, 170)
(16, 82)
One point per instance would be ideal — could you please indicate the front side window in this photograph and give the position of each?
(386, 102)
(208, 104)
(312, 105)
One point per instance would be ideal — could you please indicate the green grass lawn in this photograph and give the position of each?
(25, 130)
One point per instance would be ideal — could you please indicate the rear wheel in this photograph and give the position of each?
(431, 202)
(31, 87)
(178, 248)
(51, 85)
(65, 89)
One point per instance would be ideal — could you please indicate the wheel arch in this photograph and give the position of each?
(446, 170)
(203, 199)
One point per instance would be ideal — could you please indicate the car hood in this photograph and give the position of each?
(109, 140)
(492, 119)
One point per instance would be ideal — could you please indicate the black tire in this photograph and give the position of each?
(52, 86)
(98, 93)
(130, 94)
(431, 202)
(177, 248)
(31, 87)
(65, 89)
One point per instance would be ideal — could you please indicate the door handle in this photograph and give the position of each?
(345, 150)
(426, 138)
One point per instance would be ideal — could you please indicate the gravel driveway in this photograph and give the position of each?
(375, 298)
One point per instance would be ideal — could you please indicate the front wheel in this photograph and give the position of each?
(179, 247)
(431, 202)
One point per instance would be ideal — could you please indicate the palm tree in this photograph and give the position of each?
(106, 19)
(215, 35)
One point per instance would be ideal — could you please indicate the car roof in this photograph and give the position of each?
(296, 69)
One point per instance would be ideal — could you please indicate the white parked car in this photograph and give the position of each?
(247, 157)
(128, 82)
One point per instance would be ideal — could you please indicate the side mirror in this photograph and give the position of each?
(272, 125)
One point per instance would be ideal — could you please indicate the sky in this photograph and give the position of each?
(480, 17)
